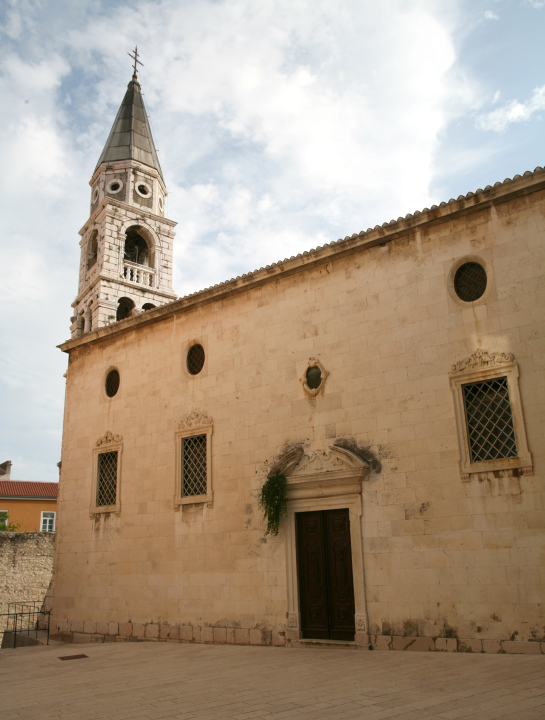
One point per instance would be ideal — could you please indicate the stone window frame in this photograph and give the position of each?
(106, 444)
(48, 512)
(481, 366)
(190, 426)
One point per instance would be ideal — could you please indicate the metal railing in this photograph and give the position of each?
(26, 619)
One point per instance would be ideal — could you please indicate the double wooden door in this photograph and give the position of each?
(324, 570)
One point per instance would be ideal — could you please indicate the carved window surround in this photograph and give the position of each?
(109, 442)
(324, 479)
(189, 426)
(479, 366)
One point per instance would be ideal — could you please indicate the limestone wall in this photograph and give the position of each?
(442, 557)
(26, 567)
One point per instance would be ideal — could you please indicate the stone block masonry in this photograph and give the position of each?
(26, 567)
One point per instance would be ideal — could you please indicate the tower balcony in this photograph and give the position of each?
(139, 274)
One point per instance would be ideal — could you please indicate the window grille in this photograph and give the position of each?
(489, 418)
(107, 478)
(195, 359)
(470, 281)
(112, 383)
(194, 466)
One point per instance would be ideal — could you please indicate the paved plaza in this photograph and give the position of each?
(122, 681)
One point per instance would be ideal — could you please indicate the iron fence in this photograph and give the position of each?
(26, 619)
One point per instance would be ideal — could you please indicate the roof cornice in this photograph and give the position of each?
(102, 208)
(464, 205)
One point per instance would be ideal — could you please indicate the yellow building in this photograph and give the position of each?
(32, 505)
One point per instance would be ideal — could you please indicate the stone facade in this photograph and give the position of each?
(26, 567)
(444, 556)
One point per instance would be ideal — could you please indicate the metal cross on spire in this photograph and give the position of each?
(136, 60)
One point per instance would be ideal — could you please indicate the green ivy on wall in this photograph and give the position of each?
(274, 501)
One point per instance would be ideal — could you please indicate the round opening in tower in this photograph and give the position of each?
(143, 190)
(136, 248)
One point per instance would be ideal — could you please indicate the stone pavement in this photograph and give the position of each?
(160, 681)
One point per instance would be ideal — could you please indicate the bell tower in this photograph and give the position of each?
(127, 243)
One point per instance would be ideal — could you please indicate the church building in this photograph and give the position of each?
(392, 381)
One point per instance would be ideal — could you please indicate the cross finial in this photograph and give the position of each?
(136, 60)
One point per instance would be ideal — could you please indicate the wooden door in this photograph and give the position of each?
(324, 569)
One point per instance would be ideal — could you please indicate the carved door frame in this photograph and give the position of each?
(329, 479)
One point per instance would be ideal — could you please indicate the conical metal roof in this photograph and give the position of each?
(130, 137)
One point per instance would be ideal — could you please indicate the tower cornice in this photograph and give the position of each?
(101, 211)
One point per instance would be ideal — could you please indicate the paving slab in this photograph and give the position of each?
(133, 681)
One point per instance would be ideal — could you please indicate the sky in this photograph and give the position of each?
(280, 125)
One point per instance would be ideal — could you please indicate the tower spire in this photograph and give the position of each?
(130, 137)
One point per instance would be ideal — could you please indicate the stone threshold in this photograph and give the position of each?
(314, 642)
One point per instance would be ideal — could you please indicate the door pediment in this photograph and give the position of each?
(325, 472)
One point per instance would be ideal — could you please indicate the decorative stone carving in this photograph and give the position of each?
(361, 624)
(314, 363)
(286, 464)
(109, 439)
(332, 459)
(482, 359)
(194, 420)
(293, 621)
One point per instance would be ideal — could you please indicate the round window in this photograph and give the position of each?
(112, 383)
(143, 189)
(470, 281)
(195, 359)
(314, 377)
(114, 186)
(95, 194)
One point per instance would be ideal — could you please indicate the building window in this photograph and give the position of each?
(195, 359)
(112, 383)
(490, 429)
(470, 281)
(47, 523)
(489, 418)
(105, 493)
(4, 519)
(314, 377)
(107, 478)
(193, 460)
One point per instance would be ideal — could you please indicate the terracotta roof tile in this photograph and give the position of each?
(27, 489)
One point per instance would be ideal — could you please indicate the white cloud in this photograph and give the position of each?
(491, 15)
(513, 112)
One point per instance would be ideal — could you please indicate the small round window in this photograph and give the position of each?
(314, 377)
(143, 189)
(114, 186)
(470, 281)
(195, 359)
(112, 383)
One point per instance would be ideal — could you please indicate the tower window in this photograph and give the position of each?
(125, 307)
(92, 250)
(136, 248)
(107, 479)
(143, 189)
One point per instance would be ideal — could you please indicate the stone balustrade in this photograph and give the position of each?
(138, 274)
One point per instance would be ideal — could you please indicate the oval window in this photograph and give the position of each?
(143, 190)
(112, 383)
(314, 377)
(195, 359)
(114, 186)
(470, 281)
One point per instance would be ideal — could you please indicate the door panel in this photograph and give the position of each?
(312, 575)
(324, 566)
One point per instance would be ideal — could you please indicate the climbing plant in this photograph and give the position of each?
(274, 501)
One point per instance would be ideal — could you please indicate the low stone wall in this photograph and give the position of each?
(90, 631)
(26, 568)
